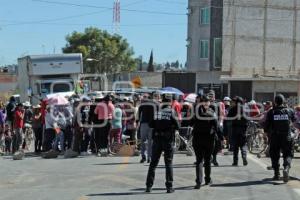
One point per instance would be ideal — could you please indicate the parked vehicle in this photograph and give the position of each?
(45, 74)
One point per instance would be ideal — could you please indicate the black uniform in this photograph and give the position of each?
(278, 125)
(164, 126)
(205, 126)
(238, 133)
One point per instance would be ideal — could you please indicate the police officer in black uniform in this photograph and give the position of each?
(205, 126)
(164, 125)
(278, 125)
(239, 123)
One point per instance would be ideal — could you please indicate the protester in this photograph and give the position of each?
(146, 113)
(18, 127)
(2, 118)
(219, 109)
(50, 126)
(37, 126)
(115, 133)
(130, 113)
(10, 110)
(227, 124)
(7, 139)
(238, 127)
(104, 112)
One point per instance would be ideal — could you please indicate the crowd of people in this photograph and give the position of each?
(91, 126)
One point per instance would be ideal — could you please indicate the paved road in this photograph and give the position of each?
(92, 178)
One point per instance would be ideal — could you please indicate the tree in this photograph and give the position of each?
(167, 66)
(108, 53)
(140, 63)
(150, 64)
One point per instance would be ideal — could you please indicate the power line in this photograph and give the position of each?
(93, 6)
(13, 23)
(108, 25)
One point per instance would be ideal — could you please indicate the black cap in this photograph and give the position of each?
(167, 98)
(279, 99)
(205, 98)
(107, 98)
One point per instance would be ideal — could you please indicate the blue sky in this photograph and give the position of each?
(35, 27)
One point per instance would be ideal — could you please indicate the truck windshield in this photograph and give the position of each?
(57, 87)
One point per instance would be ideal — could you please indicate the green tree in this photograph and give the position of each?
(108, 53)
(151, 64)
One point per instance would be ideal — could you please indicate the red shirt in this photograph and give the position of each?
(177, 107)
(254, 110)
(19, 122)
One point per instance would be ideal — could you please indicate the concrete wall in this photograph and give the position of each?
(261, 37)
(149, 79)
(8, 83)
(197, 32)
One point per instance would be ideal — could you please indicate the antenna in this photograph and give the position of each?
(116, 16)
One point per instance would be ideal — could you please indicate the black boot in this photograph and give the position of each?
(148, 190)
(208, 180)
(143, 159)
(245, 162)
(286, 176)
(170, 190)
(276, 175)
(199, 176)
(214, 161)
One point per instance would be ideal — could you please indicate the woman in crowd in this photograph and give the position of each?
(130, 112)
(115, 133)
(37, 125)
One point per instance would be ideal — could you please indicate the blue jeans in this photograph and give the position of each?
(59, 138)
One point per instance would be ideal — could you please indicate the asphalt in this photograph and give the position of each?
(91, 178)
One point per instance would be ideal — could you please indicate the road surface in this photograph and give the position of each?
(92, 178)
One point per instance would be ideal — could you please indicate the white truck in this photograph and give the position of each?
(39, 75)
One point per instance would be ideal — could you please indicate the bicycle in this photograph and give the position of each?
(184, 140)
(257, 140)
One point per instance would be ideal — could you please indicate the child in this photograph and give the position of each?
(7, 139)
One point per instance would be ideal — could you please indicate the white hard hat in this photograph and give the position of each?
(226, 99)
(252, 102)
(27, 104)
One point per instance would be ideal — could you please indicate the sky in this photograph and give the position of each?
(40, 26)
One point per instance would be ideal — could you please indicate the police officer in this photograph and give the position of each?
(277, 124)
(164, 125)
(205, 126)
(238, 130)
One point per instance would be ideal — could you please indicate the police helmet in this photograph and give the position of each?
(238, 100)
(279, 99)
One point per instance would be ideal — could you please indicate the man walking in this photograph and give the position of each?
(277, 124)
(164, 126)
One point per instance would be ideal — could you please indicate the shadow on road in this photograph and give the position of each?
(178, 166)
(122, 163)
(164, 189)
(139, 191)
(248, 183)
